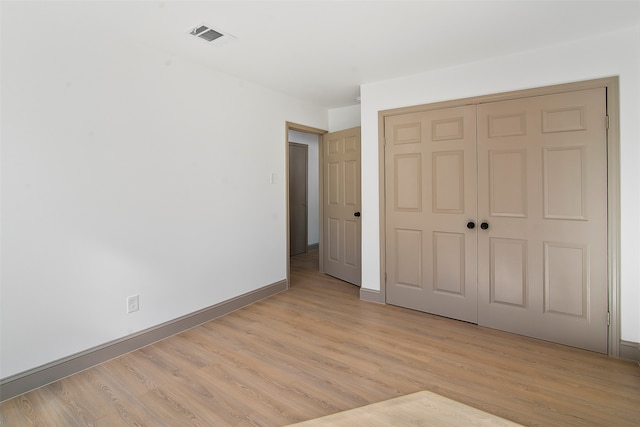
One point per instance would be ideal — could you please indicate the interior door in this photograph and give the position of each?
(298, 164)
(430, 179)
(533, 259)
(341, 205)
(542, 261)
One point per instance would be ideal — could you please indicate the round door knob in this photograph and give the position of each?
(356, 214)
(471, 225)
(484, 225)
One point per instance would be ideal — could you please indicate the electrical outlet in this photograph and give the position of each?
(133, 303)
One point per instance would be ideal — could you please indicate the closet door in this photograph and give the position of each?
(430, 179)
(542, 261)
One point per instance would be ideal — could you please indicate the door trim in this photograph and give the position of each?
(611, 84)
(307, 129)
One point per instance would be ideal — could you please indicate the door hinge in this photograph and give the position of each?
(606, 121)
(608, 318)
(385, 277)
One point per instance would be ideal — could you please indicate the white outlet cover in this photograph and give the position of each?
(133, 303)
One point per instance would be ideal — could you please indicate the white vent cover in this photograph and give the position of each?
(209, 35)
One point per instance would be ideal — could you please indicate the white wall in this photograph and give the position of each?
(313, 183)
(123, 172)
(344, 118)
(613, 54)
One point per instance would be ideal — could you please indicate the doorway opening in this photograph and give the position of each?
(304, 192)
(304, 210)
(338, 197)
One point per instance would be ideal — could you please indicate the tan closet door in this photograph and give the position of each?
(430, 179)
(542, 262)
(341, 207)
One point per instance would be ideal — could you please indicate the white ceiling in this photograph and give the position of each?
(321, 51)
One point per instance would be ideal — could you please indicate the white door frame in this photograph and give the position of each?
(613, 181)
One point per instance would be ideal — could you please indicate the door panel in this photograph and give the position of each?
(352, 243)
(448, 263)
(430, 169)
(407, 182)
(508, 271)
(565, 279)
(507, 178)
(448, 182)
(542, 189)
(407, 258)
(342, 229)
(564, 175)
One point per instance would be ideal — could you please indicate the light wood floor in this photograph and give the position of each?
(316, 349)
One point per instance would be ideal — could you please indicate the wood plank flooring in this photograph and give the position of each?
(315, 350)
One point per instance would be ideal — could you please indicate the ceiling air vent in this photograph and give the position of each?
(208, 34)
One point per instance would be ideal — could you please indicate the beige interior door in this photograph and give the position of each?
(536, 261)
(542, 261)
(430, 164)
(341, 205)
(298, 164)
